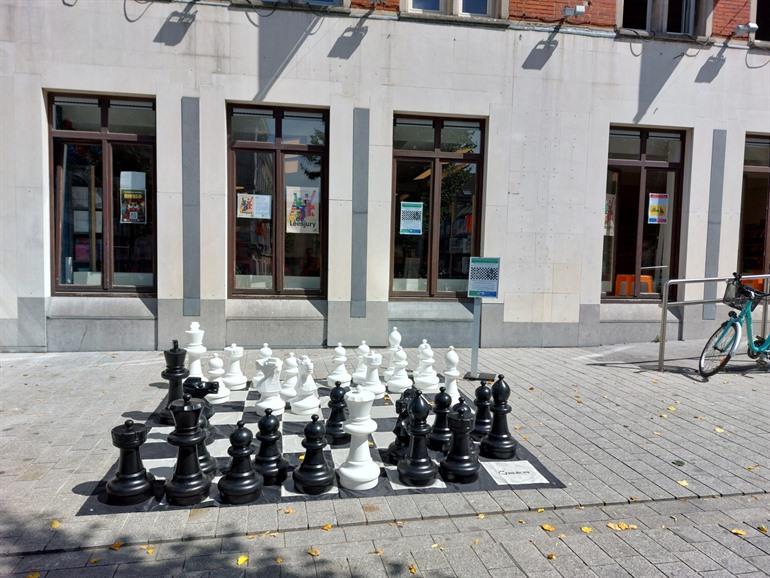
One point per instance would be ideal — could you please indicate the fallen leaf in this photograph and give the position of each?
(752, 467)
(251, 536)
(762, 529)
(719, 429)
(521, 521)
(531, 389)
(548, 527)
(657, 433)
(301, 457)
(34, 574)
(94, 560)
(55, 524)
(632, 498)
(371, 444)
(738, 532)
(623, 526)
(613, 526)
(551, 556)
(412, 569)
(278, 560)
(476, 542)
(671, 408)
(268, 534)
(517, 427)
(632, 526)
(525, 437)
(288, 510)
(378, 551)
(314, 552)
(481, 516)
(116, 545)
(327, 527)
(561, 536)
(150, 550)
(586, 529)
(663, 415)
(683, 483)
(242, 560)
(397, 524)
(540, 510)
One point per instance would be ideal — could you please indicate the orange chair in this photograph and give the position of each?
(624, 285)
(756, 284)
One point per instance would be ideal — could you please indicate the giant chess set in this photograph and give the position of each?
(346, 435)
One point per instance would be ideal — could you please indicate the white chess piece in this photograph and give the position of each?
(216, 371)
(195, 349)
(289, 387)
(270, 387)
(234, 378)
(306, 402)
(340, 372)
(359, 472)
(427, 380)
(359, 374)
(264, 354)
(394, 340)
(372, 382)
(451, 373)
(399, 382)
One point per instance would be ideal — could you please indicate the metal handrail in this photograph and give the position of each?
(665, 304)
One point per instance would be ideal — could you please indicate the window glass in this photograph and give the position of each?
(252, 125)
(757, 152)
(756, 190)
(458, 192)
(413, 134)
(620, 226)
(625, 144)
(412, 225)
(304, 128)
(475, 7)
(254, 202)
(763, 20)
(431, 5)
(78, 182)
(133, 243)
(463, 137)
(131, 116)
(302, 254)
(680, 13)
(635, 14)
(74, 113)
(657, 224)
(664, 147)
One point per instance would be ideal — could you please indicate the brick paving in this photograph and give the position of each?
(683, 462)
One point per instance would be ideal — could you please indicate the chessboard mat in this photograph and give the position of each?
(523, 471)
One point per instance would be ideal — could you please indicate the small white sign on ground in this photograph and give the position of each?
(514, 473)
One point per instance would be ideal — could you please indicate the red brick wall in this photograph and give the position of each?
(728, 14)
(387, 5)
(599, 13)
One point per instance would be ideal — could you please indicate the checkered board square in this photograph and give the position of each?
(524, 471)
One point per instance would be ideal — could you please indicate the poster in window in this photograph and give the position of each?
(410, 222)
(302, 205)
(254, 206)
(657, 209)
(133, 198)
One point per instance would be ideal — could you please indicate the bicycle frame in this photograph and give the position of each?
(744, 318)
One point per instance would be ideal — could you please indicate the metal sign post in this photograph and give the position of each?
(483, 278)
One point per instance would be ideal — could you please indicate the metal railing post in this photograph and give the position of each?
(764, 313)
(663, 327)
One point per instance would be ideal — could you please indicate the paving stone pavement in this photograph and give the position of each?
(684, 461)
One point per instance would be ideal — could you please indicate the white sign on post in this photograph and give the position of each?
(483, 277)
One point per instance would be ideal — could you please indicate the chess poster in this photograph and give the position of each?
(483, 277)
(411, 219)
(657, 209)
(133, 198)
(302, 205)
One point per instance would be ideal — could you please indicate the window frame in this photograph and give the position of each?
(701, 20)
(644, 165)
(279, 151)
(496, 9)
(105, 139)
(756, 170)
(437, 157)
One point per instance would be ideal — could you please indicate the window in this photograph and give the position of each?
(636, 14)
(436, 204)
(763, 20)
(103, 179)
(277, 201)
(641, 217)
(487, 8)
(678, 17)
(754, 253)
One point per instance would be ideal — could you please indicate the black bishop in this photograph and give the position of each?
(499, 443)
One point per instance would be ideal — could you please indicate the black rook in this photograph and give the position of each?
(461, 464)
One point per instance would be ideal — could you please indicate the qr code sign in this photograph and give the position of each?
(411, 215)
(484, 273)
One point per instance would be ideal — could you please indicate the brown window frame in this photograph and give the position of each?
(437, 157)
(279, 150)
(756, 170)
(105, 139)
(644, 165)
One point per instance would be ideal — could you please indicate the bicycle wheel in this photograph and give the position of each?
(718, 350)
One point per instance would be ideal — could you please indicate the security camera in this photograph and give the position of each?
(749, 28)
(569, 11)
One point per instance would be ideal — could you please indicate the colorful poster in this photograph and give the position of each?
(657, 209)
(411, 219)
(254, 206)
(483, 277)
(133, 206)
(302, 206)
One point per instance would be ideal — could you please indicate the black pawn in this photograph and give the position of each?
(131, 484)
(315, 475)
(241, 484)
(417, 469)
(499, 443)
(196, 387)
(175, 373)
(207, 463)
(483, 416)
(461, 465)
(188, 485)
(335, 434)
(269, 462)
(440, 435)
(398, 447)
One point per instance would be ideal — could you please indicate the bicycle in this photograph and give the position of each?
(723, 344)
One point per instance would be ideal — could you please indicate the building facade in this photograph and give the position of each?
(308, 173)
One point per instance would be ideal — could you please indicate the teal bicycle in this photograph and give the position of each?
(723, 344)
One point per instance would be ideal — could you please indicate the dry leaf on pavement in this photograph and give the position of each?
(278, 560)
(327, 527)
(719, 429)
(548, 527)
(683, 483)
(586, 529)
(762, 529)
(551, 556)
(55, 524)
(314, 552)
(242, 560)
(738, 532)
(116, 545)
(412, 569)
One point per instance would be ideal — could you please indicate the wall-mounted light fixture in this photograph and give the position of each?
(748, 28)
(569, 11)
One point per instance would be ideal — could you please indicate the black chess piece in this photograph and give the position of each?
(440, 435)
(416, 468)
(398, 447)
(198, 388)
(188, 485)
(483, 416)
(241, 484)
(132, 484)
(499, 443)
(207, 463)
(335, 434)
(269, 462)
(175, 373)
(461, 465)
(315, 475)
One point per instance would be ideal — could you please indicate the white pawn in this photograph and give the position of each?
(394, 340)
(306, 402)
(359, 472)
(195, 349)
(340, 372)
(399, 382)
(289, 387)
(234, 378)
(373, 383)
(359, 374)
(427, 381)
(270, 387)
(451, 373)
(216, 371)
(264, 354)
